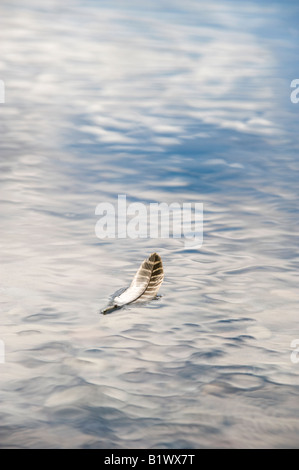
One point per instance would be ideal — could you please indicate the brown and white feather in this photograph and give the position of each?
(146, 282)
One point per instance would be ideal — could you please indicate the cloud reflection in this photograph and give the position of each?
(136, 79)
(163, 101)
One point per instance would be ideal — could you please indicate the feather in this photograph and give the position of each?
(144, 286)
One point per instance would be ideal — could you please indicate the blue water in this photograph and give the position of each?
(162, 102)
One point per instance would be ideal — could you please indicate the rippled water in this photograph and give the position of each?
(162, 102)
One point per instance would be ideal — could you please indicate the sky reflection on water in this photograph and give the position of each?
(162, 102)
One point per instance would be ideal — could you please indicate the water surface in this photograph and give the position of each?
(161, 102)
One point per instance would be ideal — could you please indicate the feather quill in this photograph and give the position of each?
(144, 286)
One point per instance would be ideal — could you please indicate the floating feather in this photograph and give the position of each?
(144, 286)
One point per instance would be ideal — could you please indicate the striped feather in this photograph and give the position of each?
(144, 286)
